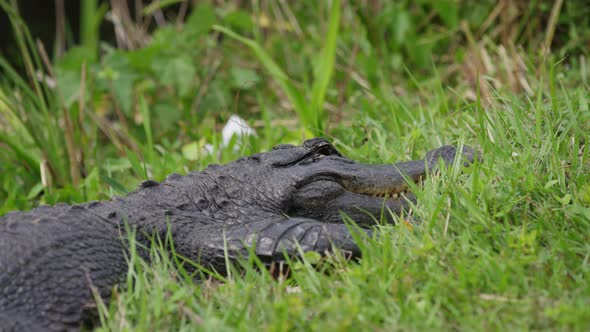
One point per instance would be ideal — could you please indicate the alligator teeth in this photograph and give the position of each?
(390, 195)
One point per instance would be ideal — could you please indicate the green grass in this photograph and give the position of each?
(501, 245)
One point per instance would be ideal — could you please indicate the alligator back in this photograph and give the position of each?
(53, 253)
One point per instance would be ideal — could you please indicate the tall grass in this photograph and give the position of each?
(307, 100)
(91, 16)
(32, 111)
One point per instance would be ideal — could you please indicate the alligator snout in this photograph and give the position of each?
(392, 180)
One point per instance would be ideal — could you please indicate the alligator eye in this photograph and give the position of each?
(321, 146)
(327, 150)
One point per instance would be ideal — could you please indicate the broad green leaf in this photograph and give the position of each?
(200, 21)
(167, 114)
(120, 77)
(165, 37)
(448, 11)
(178, 72)
(239, 20)
(141, 59)
(244, 78)
(123, 89)
(68, 72)
(402, 24)
(69, 84)
(74, 58)
(191, 151)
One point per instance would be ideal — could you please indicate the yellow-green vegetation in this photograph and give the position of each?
(503, 245)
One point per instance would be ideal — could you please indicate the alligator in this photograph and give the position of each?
(54, 260)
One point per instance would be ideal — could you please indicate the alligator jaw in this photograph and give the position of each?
(391, 181)
(396, 200)
(374, 187)
(385, 181)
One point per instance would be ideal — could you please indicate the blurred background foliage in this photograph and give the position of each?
(92, 88)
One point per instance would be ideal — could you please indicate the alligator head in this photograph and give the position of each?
(316, 181)
(290, 197)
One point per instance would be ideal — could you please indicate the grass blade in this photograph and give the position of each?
(324, 69)
(295, 96)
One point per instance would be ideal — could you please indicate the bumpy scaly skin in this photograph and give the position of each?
(51, 258)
